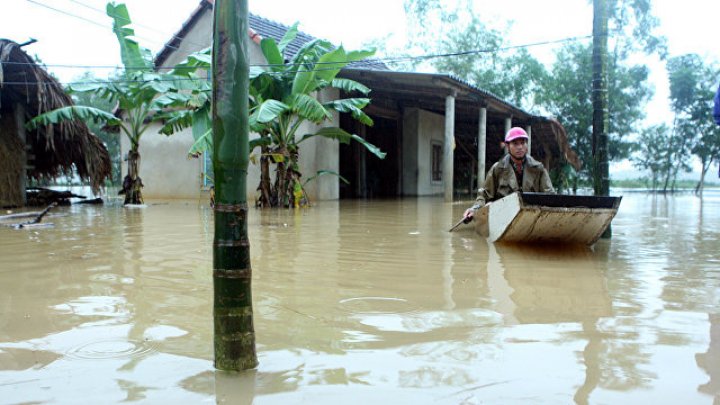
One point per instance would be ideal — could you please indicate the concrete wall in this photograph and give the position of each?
(420, 130)
(168, 173)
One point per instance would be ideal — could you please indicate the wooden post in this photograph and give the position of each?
(361, 186)
(19, 110)
(448, 146)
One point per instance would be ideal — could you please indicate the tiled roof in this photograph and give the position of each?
(264, 27)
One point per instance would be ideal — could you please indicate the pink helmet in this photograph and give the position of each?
(515, 133)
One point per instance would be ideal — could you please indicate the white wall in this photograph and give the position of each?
(420, 130)
(168, 173)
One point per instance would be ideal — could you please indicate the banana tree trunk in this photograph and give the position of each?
(266, 194)
(232, 275)
(132, 184)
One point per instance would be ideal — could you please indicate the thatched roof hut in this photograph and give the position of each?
(27, 90)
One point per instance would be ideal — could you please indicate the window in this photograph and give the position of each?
(437, 152)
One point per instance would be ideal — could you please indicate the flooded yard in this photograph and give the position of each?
(361, 302)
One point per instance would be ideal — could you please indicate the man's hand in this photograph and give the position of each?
(468, 215)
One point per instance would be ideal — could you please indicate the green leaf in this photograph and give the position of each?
(194, 63)
(133, 56)
(288, 37)
(86, 87)
(70, 113)
(172, 100)
(350, 85)
(261, 141)
(345, 137)
(304, 81)
(202, 144)
(329, 64)
(175, 121)
(202, 123)
(272, 54)
(309, 108)
(353, 106)
(354, 56)
(270, 110)
(325, 172)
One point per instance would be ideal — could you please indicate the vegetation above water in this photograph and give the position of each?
(646, 183)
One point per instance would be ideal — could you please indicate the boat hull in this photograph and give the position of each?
(547, 218)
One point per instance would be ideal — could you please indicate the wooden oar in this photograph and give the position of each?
(464, 220)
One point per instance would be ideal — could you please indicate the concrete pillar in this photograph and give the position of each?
(528, 129)
(508, 125)
(448, 146)
(482, 144)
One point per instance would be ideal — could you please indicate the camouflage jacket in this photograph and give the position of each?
(501, 180)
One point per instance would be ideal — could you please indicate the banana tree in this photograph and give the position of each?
(142, 95)
(282, 98)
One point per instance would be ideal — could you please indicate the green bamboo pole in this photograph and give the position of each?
(232, 274)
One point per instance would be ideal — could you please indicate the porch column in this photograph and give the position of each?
(508, 125)
(482, 140)
(448, 146)
(528, 129)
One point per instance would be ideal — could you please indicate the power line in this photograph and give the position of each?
(397, 59)
(93, 22)
(134, 23)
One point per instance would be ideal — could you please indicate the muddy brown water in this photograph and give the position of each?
(361, 302)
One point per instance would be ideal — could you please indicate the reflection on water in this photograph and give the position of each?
(361, 301)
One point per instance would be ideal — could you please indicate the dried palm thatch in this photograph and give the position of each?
(10, 168)
(557, 142)
(57, 150)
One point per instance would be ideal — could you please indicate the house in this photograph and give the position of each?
(430, 125)
(48, 152)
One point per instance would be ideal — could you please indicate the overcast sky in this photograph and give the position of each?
(77, 33)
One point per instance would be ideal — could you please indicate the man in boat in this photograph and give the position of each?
(514, 169)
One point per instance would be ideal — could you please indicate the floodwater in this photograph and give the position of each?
(361, 302)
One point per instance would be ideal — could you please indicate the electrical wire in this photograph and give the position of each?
(69, 14)
(373, 61)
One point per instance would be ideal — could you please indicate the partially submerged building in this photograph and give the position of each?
(440, 133)
(27, 90)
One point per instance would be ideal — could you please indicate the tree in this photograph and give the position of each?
(567, 94)
(141, 95)
(232, 275)
(109, 138)
(282, 98)
(692, 88)
(656, 154)
(475, 51)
